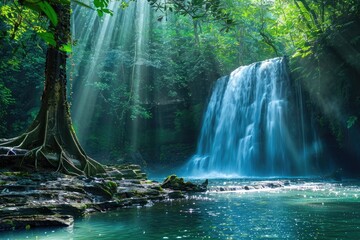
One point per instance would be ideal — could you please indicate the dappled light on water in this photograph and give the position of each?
(303, 209)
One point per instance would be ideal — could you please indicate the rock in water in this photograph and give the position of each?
(175, 183)
(31, 221)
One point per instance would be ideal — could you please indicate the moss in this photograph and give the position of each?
(138, 194)
(158, 188)
(17, 174)
(9, 222)
(147, 182)
(112, 185)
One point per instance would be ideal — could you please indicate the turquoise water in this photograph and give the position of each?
(304, 210)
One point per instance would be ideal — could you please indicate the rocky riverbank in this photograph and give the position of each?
(34, 199)
(252, 186)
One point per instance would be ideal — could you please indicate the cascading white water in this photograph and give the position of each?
(255, 126)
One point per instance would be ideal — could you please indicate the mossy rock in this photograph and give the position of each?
(175, 183)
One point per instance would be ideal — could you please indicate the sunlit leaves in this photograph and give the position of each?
(301, 22)
(197, 9)
(124, 4)
(66, 48)
(42, 7)
(16, 24)
(303, 52)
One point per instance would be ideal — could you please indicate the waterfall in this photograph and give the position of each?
(255, 125)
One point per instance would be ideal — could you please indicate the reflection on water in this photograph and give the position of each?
(303, 210)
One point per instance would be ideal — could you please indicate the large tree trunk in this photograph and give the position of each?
(50, 142)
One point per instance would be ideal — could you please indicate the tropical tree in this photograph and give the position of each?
(50, 141)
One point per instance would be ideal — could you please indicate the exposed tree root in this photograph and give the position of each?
(50, 143)
(57, 149)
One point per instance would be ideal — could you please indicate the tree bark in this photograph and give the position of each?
(50, 142)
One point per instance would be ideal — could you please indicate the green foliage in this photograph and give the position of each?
(204, 10)
(302, 22)
(187, 52)
(22, 15)
(48, 10)
(6, 100)
(351, 121)
(48, 38)
(188, 121)
(21, 67)
(29, 16)
(330, 73)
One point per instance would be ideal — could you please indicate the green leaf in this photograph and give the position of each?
(66, 48)
(125, 5)
(49, 11)
(48, 38)
(351, 121)
(98, 3)
(105, 10)
(100, 13)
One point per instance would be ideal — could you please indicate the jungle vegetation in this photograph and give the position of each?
(205, 39)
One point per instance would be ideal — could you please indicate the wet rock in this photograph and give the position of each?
(54, 199)
(116, 174)
(31, 221)
(286, 183)
(252, 186)
(109, 205)
(175, 183)
(138, 201)
(99, 191)
(176, 195)
(152, 192)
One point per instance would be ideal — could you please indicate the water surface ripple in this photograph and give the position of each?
(305, 209)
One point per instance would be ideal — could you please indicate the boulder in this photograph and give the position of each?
(175, 183)
(176, 195)
(30, 221)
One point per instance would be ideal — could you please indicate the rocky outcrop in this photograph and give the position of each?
(37, 199)
(29, 221)
(175, 183)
